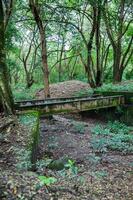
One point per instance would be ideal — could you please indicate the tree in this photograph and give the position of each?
(28, 56)
(117, 22)
(86, 17)
(35, 9)
(6, 97)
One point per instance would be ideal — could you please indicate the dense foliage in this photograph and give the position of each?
(48, 42)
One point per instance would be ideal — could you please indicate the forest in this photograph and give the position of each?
(66, 99)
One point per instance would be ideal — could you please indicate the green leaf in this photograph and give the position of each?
(47, 180)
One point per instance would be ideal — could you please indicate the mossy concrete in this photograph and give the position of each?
(127, 95)
(78, 105)
(127, 116)
(33, 124)
(35, 140)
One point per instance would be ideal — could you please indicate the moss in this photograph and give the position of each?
(35, 141)
(127, 116)
(31, 119)
(56, 165)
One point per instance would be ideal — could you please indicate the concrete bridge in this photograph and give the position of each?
(70, 105)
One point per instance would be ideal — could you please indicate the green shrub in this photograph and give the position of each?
(100, 130)
(115, 87)
(47, 180)
(117, 127)
(99, 144)
(71, 166)
(114, 136)
(79, 127)
(22, 93)
(84, 92)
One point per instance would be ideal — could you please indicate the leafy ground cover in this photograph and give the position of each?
(67, 89)
(114, 136)
(100, 164)
(17, 181)
(124, 86)
(22, 93)
(110, 87)
(77, 160)
(63, 89)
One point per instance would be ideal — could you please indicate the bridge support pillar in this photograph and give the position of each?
(105, 114)
(128, 115)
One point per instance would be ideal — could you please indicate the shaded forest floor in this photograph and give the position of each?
(99, 175)
(81, 173)
(81, 163)
(66, 89)
(79, 88)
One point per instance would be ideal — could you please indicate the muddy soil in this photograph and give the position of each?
(104, 176)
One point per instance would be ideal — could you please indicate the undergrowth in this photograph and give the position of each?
(116, 87)
(20, 92)
(114, 136)
(84, 93)
(79, 127)
(110, 87)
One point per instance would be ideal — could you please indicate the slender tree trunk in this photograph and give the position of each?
(60, 61)
(98, 63)
(116, 66)
(5, 89)
(90, 73)
(29, 78)
(45, 62)
(36, 14)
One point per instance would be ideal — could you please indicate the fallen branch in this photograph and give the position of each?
(5, 123)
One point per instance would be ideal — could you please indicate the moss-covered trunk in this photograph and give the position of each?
(5, 90)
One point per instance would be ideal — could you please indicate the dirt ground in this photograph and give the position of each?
(92, 176)
(64, 89)
(106, 176)
(109, 177)
(69, 88)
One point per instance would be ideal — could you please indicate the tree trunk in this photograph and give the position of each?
(5, 89)
(29, 78)
(90, 73)
(98, 63)
(60, 61)
(45, 63)
(36, 15)
(117, 73)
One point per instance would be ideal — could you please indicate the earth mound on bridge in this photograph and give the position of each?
(64, 89)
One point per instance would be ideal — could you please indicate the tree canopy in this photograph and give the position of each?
(46, 42)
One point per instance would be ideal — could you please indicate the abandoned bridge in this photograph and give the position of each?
(73, 104)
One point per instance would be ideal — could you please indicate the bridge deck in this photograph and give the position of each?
(65, 105)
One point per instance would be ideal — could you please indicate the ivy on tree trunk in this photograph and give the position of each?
(6, 98)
